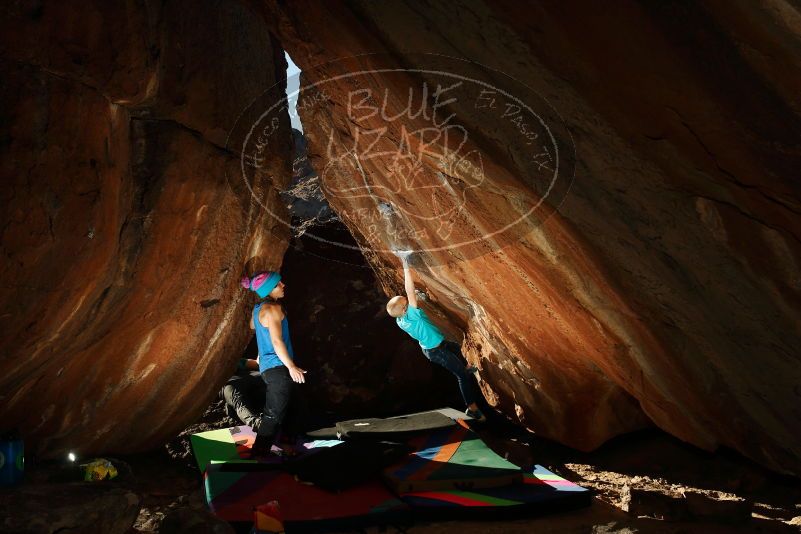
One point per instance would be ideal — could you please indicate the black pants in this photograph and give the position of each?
(276, 402)
(244, 397)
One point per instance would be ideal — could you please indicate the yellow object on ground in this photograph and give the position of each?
(99, 469)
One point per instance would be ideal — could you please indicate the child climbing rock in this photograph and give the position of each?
(276, 358)
(414, 321)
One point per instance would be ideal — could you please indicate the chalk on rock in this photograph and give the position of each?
(386, 209)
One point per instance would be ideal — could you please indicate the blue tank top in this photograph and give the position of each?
(267, 356)
(416, 323)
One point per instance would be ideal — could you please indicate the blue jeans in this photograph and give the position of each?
(448, 355)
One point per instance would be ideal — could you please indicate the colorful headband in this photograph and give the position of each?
(262, 283)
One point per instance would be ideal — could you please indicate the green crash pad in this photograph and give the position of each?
(234, 444)
(225, 444)
(450, 458)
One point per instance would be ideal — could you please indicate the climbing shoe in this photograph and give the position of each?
(261, 447)
(476, 415)
(287, 449)
(471, 369)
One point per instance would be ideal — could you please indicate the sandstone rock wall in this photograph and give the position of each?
(666, 285)
(656, 281)
(125, 224)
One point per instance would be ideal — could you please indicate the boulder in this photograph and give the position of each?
(126, 225)
(602, 200)
(718, 506)
(642, 502)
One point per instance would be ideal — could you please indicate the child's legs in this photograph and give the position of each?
(454, 347)
(279, 386)
(450, 361)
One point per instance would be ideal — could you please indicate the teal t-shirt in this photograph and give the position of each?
(416, 323)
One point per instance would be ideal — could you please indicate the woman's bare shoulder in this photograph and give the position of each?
(271, 309)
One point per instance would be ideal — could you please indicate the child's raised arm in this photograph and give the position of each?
(408, 282)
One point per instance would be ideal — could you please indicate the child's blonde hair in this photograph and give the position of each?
(395, 306)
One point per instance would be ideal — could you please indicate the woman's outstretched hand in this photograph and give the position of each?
(296, 373)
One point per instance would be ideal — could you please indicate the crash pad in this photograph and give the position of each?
(444, 472)
(234, 444)
(539, 491)
(346, 465)
(233, 494)
(393, 428)
(230, 444)
(450, 458)
(234, 485)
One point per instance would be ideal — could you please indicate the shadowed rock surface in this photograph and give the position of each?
(358, 362)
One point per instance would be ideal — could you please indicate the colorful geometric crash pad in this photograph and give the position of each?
(450, 474)
(235, 485)
(232, 495)
(225, 444)
(233, 445)
(540, 490)
(450, 458)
